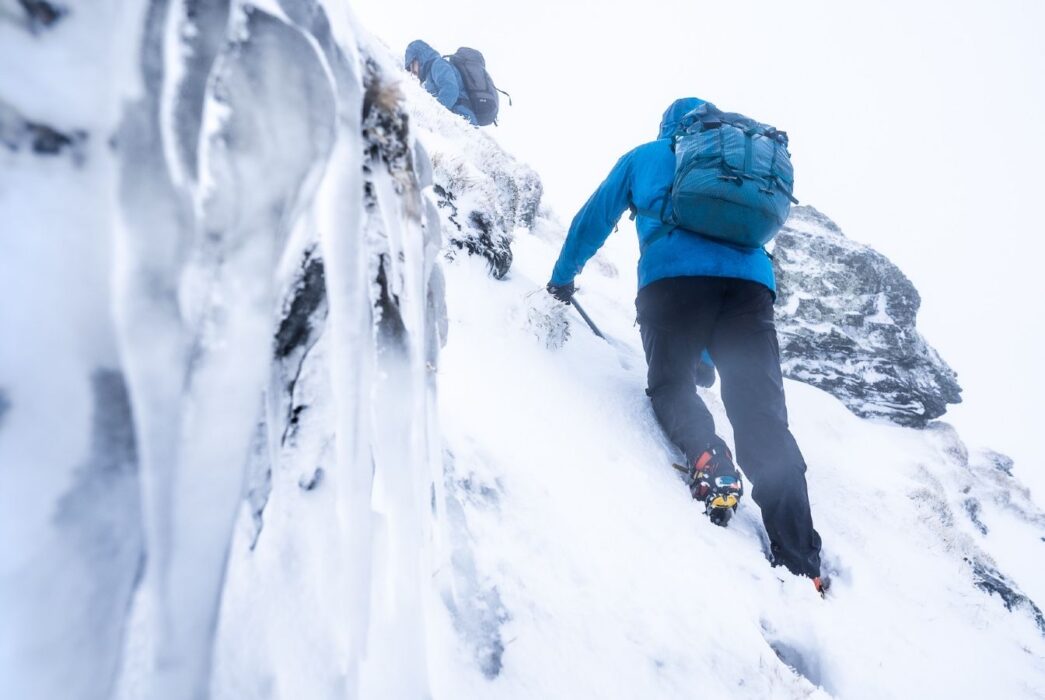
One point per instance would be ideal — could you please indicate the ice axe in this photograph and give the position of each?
(623, 352)
(705, 369)
(587, 318)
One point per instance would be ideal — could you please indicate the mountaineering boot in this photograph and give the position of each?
(821, 583)
(717, 483)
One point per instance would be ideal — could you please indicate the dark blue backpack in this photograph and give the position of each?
(478, 85)
(733, 179)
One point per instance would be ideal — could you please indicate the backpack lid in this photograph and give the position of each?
(708, 116)
(466, 54)
(674, 114)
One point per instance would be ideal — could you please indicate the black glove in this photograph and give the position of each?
(705, 374)
(562, 292)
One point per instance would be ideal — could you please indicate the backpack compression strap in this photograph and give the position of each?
(665, 226)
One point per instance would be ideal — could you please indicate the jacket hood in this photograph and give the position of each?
(673, 114)
(421, 51)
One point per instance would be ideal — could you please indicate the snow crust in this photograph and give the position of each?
(615, 585)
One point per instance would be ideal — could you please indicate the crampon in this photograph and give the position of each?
(716, 482)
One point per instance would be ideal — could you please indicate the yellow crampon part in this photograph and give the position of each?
(726, 501)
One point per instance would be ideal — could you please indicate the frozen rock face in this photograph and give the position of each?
(235, 301)
(846, 323)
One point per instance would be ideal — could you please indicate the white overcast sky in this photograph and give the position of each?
(918, 126)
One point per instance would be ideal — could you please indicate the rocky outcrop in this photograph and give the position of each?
(484, 194)
(34, 15)
(846, 324)
(18, 132)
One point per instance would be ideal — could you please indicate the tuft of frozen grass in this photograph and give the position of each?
(546, 319)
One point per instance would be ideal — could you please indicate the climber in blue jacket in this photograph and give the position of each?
(440, 78)
(698, 295)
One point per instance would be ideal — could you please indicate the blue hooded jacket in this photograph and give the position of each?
(440, 78)
(642, 177)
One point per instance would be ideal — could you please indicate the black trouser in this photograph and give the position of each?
(732, 318)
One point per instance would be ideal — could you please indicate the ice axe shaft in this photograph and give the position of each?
(587, 318)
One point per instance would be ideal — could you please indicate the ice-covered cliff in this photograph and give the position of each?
(274, 421)
(199, 197)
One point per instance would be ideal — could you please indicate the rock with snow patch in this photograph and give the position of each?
(846, 324)
(18, 132)
(484, 193)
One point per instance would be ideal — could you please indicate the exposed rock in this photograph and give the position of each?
(483, 239)
(846, 324)
(303, 322)
(1002, 463)
(41, 14)
(385, 124)
(310, 481)
(989, 579)
(309, 295)
(18, 132)
(972, 509)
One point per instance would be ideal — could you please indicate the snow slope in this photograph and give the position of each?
(614, 585)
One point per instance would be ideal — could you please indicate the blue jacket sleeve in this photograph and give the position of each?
(594, 222)
(442, 82)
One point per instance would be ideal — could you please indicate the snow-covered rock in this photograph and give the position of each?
(484, 193)
(846, 323)
(17, 132)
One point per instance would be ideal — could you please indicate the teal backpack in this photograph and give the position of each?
(733, 179)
